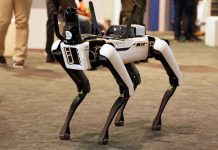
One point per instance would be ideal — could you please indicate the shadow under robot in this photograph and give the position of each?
(117, 50)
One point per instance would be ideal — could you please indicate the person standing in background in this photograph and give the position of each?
(126, 10)
(186, 8)
(21, 11)
(190, 8)
(179, 7)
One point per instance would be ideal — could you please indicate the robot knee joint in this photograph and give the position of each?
(161, 45)
(85, 87)
(167, 41)
(136, 80)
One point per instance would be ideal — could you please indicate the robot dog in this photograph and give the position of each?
(117, 50)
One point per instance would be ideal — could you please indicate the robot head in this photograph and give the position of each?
(72, 31)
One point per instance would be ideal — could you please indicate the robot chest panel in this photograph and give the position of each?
(75, 56)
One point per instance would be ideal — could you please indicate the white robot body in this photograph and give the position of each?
(116, 50)
(131, 49)
(111, 54)
(139, 29)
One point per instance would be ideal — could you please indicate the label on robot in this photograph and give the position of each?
(68, 35)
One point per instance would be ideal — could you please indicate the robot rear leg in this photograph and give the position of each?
(161, 51)
(136, 79)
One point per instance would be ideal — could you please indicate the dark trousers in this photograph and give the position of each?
(186, 8)
(178, 6)
(190, 18)
(52, 7)
(49, 35)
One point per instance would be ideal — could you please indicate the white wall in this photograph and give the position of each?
(164, 15)
(37, 25)
(106, 9)
(116, 11)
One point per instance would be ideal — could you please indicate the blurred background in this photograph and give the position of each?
(159, 17)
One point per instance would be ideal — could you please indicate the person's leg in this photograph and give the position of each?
(21, 11)
(52, 7)
(143, 9)
(189, 16)
(195, 28)
(85, 24)
(126, 11)
(6, 11)
(177, 18)
(140, 11)
(124, 16)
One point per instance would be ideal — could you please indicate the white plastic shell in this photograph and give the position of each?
(166, 51)
(111, 54)
(140, 30)
(82, 54)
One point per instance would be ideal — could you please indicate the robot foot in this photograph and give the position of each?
(119, 123)
(103, 141)
(156, 126)
(64, 136)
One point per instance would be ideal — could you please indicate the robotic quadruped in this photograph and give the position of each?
(116, 50)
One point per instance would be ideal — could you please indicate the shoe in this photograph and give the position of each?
(195, 38)
(50, 58)
(18, 64)
(180, 39)
(2, 60)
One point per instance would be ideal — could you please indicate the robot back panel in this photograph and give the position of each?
(131, 49)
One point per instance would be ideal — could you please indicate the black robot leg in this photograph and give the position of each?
(83, 88)
(136, 79)
(122, 99)
(169, 92)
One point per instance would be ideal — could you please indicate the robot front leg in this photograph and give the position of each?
(83, 88)
(111, 59)
(136, 79)
(162, 52)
